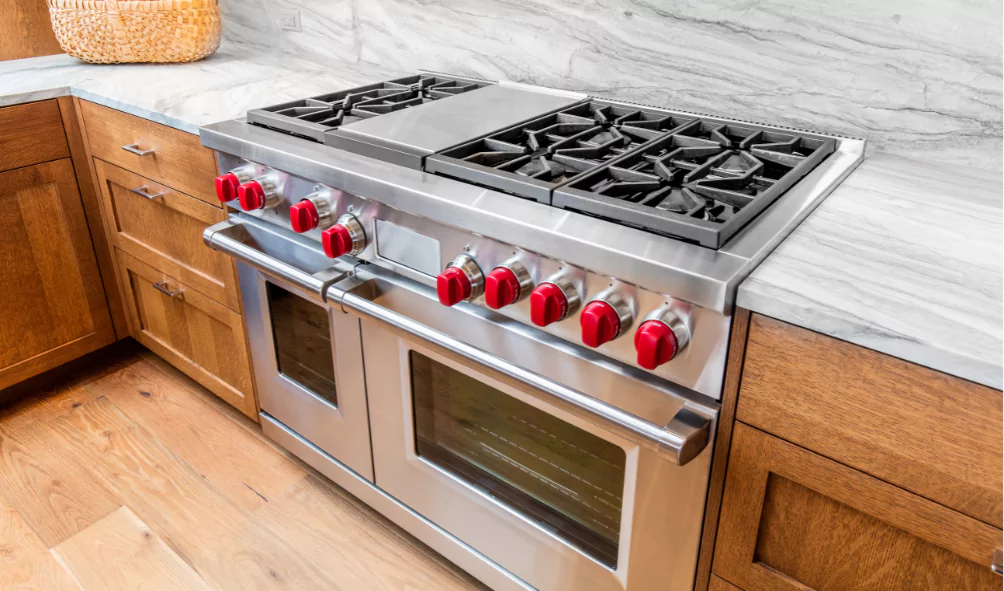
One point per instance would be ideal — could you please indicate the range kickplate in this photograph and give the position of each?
(701, 182)
(532, 159)
(312, 117)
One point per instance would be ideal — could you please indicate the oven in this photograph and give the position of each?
(529, 461)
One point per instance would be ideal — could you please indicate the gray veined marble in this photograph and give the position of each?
(914, 77)
(900, 258)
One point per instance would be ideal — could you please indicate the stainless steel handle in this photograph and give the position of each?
(161, 286)
(998, 564)
(142, 192)
(681, 440)
(229, 237)
(135, 149)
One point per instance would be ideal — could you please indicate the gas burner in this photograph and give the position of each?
(313, 117)
(701, 182)
(531, 159)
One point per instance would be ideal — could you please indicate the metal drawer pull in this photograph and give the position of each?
(998, 563)
(135, 149)
(161, 286)
(142, 192)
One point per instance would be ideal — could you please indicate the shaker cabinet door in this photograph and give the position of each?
(794, 520)
(51, 297)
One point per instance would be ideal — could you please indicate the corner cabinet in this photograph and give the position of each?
(53, 301)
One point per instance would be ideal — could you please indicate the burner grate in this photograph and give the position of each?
(701, 182)
(532, 159)
(312, 117)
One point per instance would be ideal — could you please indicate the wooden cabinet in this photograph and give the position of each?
(792, 519)
(30, 134)
(193, 332)
(163, 228)
(53, 302)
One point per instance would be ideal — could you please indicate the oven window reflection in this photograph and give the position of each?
(302, 342)
(563, 478)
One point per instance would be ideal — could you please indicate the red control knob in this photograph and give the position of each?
(501, 288)
(656, 343)
(227, 186)
(548, 304)
(453, 286)
(600, 323)
(337, 241)
(251, 195)
(303, 216)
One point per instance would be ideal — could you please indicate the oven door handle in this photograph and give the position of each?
(683, 439)
(231, 237)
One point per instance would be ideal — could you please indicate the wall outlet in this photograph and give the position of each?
(289, 20)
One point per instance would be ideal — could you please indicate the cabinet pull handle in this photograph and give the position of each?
(998, 563)
(135, 149)
(161, 286)
(142, 192)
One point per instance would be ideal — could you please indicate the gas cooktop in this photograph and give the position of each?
(692, 177)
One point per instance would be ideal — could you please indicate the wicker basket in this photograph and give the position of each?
(115, 31)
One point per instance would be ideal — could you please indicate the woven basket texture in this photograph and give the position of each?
(118, 31)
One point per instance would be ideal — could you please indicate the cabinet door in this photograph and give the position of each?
(139, 210)
(794, 520)
(193, 332)
(52, 301)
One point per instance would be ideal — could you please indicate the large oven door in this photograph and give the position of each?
(306, 355)
(565, 491)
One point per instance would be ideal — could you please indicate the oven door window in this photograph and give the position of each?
(566, 480)
(302, 342)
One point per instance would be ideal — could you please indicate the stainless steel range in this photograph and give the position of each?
(499, 314)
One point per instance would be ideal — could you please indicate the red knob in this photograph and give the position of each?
(453, 286)
(548, 304)
(656, 343)
(501, 288)
(226, 187)
(600, 323)
(336, 240)
(303, 216)
(251, 195)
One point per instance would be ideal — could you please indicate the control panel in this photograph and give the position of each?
(650, 331)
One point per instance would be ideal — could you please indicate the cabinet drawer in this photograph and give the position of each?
(166, 231)
(922, 430)
(795, 520)
(191, 331)
(30, 134)
(172, 157)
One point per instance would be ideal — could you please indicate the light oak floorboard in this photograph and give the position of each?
(25, 563)
(242, 466)
(120, 553)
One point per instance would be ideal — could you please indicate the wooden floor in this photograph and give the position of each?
(125, 474)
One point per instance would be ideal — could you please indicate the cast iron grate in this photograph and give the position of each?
(312, 117)
(701, 182)
(533, 158)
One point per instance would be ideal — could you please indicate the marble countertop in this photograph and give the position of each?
(902, 257)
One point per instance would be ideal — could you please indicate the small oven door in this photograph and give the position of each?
(499, 458)
(306, 355)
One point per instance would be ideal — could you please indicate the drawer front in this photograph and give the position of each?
(922, 430)
(191, 331)
(30, 134)
(163, 228)
(164, 154)
(795, 520)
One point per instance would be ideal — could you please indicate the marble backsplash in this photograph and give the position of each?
(920, 78)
